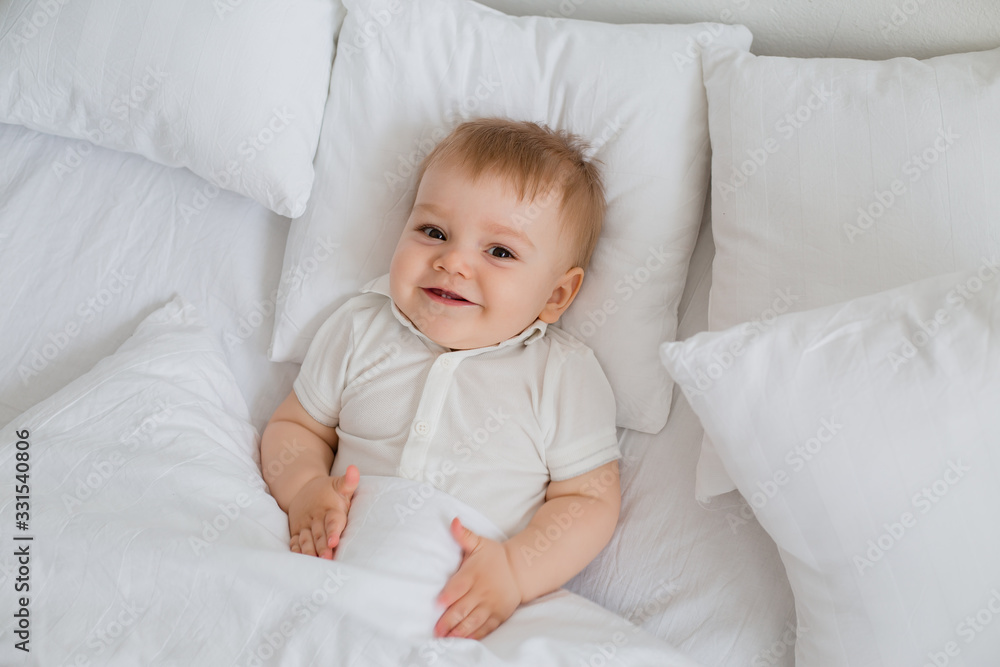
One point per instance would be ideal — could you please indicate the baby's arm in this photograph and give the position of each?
(296, 454)
(566, 533)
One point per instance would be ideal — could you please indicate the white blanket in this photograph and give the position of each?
(153, 540)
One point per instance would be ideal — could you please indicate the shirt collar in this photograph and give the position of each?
(532, 333)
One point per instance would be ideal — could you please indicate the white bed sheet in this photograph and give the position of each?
(92, 241)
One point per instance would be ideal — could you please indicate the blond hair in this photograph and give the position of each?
(535, 160)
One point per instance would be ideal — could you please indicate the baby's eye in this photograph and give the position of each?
(432, 232)
(500, 252)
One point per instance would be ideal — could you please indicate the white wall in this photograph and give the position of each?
(808, 28)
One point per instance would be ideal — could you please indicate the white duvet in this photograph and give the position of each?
(153, 540)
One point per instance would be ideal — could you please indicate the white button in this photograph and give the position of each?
(446, 362)
(422, 427)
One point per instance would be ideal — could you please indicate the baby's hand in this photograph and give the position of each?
(317, 515)
(483, 593)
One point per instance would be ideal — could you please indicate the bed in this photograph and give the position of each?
(809, 474)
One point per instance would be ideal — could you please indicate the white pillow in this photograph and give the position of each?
(408, 73)
(836, 178)
(866, 436)
(233, 91)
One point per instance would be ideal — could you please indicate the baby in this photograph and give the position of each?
(448, 371)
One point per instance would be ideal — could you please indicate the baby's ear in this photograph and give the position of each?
(562, 296)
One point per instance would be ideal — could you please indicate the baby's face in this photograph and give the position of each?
(475, 265)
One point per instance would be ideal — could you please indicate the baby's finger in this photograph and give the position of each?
(491, 624)
(319, 540)
(454, 615)
(335, 524)
(348, 483)
(306, 542)
(456, 587)
(471, 623)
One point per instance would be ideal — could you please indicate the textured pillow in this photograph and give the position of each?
(836, 178)
(232, 91)
(866, 437)
(407, 73)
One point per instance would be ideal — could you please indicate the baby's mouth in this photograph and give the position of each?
(445, 294)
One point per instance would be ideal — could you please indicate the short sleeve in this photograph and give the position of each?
(321, 380)
(581, 434)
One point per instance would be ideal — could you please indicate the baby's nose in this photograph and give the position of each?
(454, 260)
